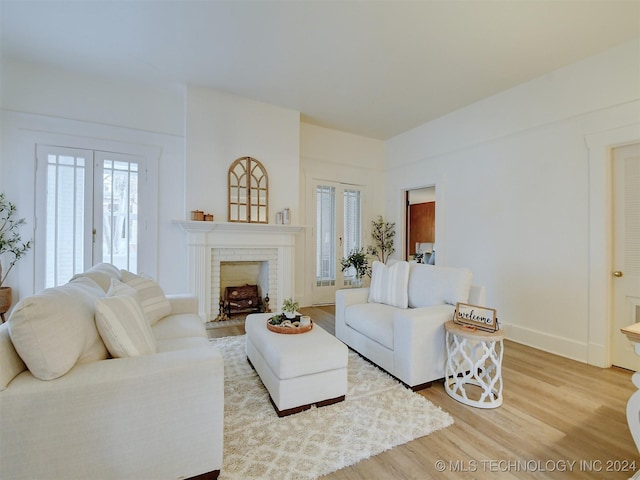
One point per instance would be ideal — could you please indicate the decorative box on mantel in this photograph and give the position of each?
(209, 243)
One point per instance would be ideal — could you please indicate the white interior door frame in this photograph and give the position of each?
(625, 281)
(600, 146)
(326, 294)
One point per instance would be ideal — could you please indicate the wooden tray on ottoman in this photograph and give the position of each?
(289, 330)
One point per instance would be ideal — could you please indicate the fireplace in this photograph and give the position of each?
(215, 244)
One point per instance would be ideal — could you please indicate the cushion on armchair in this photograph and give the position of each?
(373, 320)
(435, 285)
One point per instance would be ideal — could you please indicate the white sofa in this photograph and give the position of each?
(398, 323)
(68, 410)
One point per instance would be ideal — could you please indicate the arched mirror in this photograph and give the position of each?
(248, 191)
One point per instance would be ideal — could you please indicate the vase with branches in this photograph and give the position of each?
(383, 234)
(11, 243)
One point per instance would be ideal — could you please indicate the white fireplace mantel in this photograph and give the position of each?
(204, 237)
(192, 226)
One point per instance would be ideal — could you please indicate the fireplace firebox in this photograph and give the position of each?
(242, 299)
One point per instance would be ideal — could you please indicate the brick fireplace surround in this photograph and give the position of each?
(210, 243)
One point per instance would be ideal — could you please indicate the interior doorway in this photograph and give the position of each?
(420, 224)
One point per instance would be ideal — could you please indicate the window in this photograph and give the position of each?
(326, 237)
(120, 212)
(90, 204)
(352, 226)
(66, 246)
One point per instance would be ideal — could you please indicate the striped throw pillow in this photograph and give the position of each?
(150, 295)
(389, 284)
(123, 327)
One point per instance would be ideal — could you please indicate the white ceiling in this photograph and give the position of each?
(371, 68)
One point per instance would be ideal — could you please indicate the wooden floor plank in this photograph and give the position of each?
(556, 411)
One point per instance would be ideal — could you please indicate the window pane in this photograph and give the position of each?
(352, 226)
(65, 218)
(120, 214)
(326, 237)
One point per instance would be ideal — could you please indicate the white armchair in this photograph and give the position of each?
(407, 342)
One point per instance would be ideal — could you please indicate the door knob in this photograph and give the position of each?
(617, 273)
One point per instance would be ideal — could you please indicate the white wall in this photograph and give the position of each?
(196, 133)
(341, 157)
(512, 174)
(422, 195)
(44, 105)
(37, 89)
(512, 194)
(222, 128)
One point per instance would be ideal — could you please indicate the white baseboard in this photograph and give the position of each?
(598, 355)
(565, 347)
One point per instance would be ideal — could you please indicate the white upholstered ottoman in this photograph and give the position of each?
(298, 370)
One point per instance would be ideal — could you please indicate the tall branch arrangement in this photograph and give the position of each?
(382, 233)
(10, 241)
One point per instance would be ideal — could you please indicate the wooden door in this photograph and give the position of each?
(422, 225)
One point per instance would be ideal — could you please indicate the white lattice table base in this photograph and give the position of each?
(473, 372)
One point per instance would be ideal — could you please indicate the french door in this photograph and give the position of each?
(87, 205)
(337, 231)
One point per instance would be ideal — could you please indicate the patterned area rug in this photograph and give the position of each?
(378, 414)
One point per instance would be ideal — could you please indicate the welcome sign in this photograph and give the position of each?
(482, 318)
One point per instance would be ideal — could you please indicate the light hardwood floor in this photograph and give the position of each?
(560, 419)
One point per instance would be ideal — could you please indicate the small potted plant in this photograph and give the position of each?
(289, 307)
(12, 245)
(357, 259)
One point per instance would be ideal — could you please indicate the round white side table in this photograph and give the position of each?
(473, 373)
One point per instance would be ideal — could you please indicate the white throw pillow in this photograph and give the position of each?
(389, 284)
(123, 327)
(55, 328)
(102, 274)
(150, 295)
(119, 288)
(435, 285)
